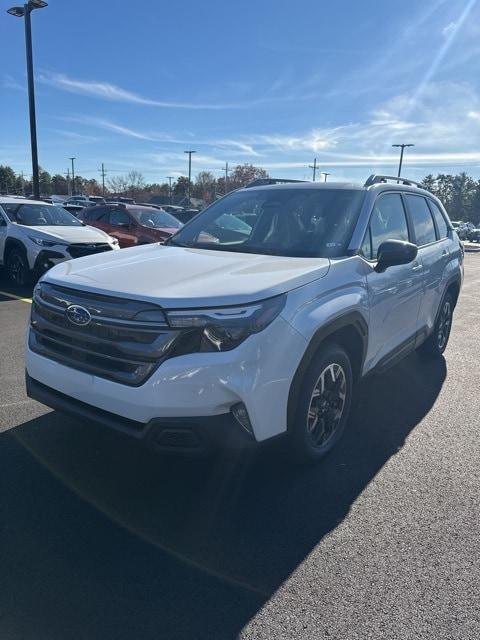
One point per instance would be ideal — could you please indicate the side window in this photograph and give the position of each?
(95, 213)
(388, 222)
(442, 227)
(366, 248)
(422, 219)
(119, 218)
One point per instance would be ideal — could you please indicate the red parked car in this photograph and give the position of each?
(131, 224)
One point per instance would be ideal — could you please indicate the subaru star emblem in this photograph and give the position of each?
(78, 315)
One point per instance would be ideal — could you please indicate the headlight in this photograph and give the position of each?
(113, 240)
(47, 243)
(224, 329)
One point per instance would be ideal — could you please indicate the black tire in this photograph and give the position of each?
(313, 437)
(17, 267)
(437, 342)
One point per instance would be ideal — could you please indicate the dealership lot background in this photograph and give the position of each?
(105, 540)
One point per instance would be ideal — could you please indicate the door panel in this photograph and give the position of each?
(121, 227)
(395, 294)
(433, 250)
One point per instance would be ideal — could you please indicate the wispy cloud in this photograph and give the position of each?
(77, 137)
(11, 83)
(113, 93)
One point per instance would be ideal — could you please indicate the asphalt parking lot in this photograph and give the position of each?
(101, 539)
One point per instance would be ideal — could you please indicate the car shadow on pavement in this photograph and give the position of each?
(104, 539)
(6, 286)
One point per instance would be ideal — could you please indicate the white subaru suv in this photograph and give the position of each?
(35, 235)
(256, 319)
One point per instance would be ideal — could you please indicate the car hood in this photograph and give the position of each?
(69, 234)
(177, 277)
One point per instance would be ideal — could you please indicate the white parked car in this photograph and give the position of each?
(36, 235)
(242, 332)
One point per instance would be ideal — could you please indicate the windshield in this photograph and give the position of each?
(40, 215)
(149, 217)
(286, 222)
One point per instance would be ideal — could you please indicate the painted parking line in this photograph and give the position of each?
(14, 297)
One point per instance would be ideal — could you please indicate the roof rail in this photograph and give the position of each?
(378, 178)
(259, 182)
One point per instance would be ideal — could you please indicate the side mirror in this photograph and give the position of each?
(395, 252)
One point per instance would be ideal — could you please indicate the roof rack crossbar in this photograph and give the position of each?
(378, 178)
(259, 182)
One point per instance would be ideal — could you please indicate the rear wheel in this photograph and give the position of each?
(324, 404)
(437, 342)
(17, 267)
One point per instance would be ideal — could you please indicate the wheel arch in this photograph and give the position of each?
(349, 331)
(453, 287)
(13, 243)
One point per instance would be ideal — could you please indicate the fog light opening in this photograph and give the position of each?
(240, 414)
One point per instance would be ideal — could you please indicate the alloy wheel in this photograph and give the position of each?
(327, 403)
(16, 269)
(444, 324)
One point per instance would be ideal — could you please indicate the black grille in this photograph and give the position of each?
(114, 345)
(80, 249)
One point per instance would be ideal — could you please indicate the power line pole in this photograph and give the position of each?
(314, 166)
(73, 175)
(324, 173)
(402, 147)
(103, 173)
(67, 176)
(226, 176)
(189, 172)
(169, 178)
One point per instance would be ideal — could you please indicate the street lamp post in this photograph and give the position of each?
(73, 175)
(325, 174)
(402, 147)
(189, 172)
(24, 12)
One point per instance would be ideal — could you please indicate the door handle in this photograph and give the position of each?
(417, 266)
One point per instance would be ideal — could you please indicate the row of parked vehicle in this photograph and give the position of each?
(466, 231)
(75, 204)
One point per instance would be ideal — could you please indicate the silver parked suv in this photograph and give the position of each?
(256, 319)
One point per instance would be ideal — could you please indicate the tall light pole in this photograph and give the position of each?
(189, 171)
(169, 178)
(24, 12)
(402, 147)
(73, 175)
(324, 173)
(314, 167)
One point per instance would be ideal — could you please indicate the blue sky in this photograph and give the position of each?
(273, 83)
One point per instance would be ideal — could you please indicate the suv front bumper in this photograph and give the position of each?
(198, 388)
(193, 435)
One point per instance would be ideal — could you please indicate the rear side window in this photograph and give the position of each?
(387, 222)
(442, 226)
(422, 219)
(119, 218)
(95, 213)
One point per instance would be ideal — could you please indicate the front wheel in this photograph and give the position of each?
(323, 405)
(17, 268)
(436, 343)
